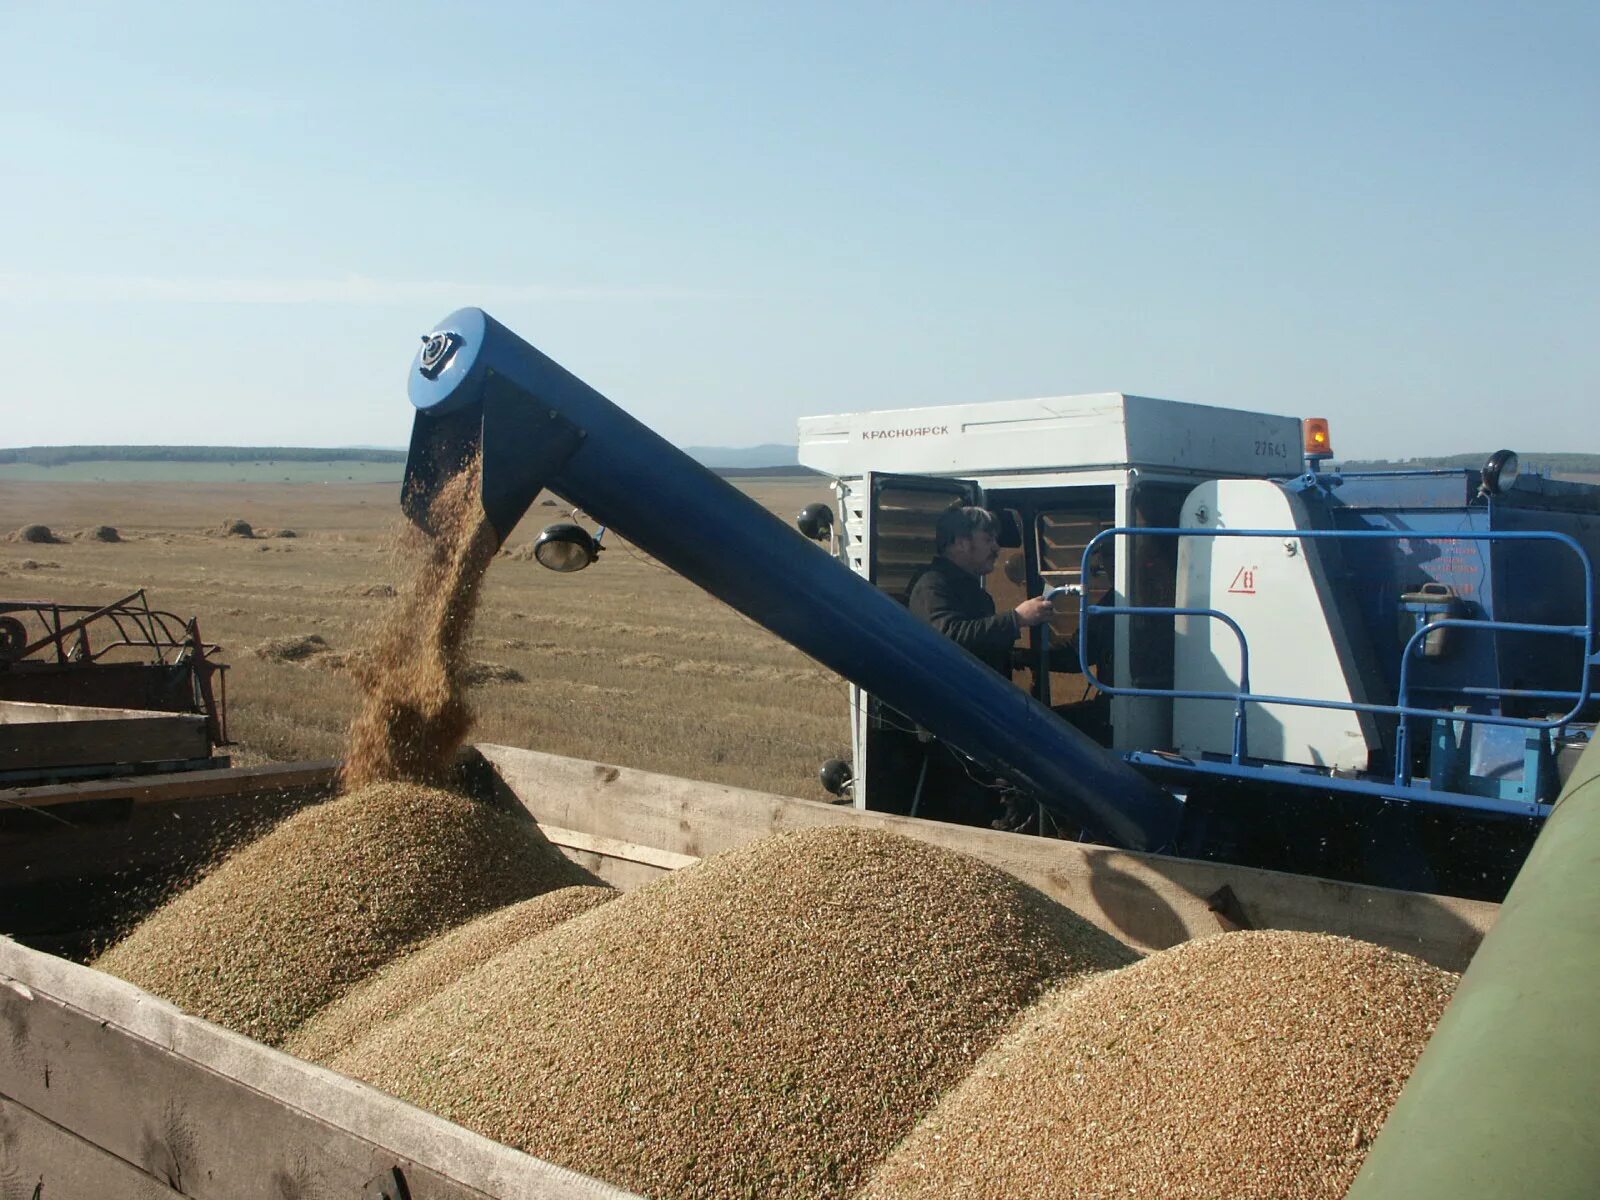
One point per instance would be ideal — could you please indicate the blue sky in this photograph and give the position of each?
(231, 224)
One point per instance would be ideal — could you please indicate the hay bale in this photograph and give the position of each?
(409, 981)
(100, 533)
(291, 649)
(1248, 1065)
(479, 672)
(335, 661)
(237, 528)
(38, 535)
(768, 1022)
(293, 921)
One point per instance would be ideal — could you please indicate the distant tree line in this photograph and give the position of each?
(56, 456)
(1563, 462)
(1554, 462)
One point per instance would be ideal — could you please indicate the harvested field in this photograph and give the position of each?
(408, 981)
(752, 712)
(767, 1023)
(1248, 1065)
(294, 920)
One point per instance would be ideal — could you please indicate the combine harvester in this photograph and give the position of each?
(1299, 699)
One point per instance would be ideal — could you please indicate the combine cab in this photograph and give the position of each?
(1380, 677)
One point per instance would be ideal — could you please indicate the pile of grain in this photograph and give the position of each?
(294, 920)
(414, 713)
(768, 1022)
(409, 981)
(1245, 1065)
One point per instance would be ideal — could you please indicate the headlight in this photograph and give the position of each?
(566, 547)
(1500, 472)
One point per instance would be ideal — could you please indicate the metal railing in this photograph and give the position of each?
(66, 629)
(1402, 710)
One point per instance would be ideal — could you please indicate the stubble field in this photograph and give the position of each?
(625, 663)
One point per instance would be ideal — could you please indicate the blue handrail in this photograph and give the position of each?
(1402, 709)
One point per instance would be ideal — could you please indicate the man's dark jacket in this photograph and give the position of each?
(953, 602)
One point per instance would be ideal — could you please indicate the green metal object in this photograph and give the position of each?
(1505, 1101)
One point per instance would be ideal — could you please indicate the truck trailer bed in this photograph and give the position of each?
(107, 1090)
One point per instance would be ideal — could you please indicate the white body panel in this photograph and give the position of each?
(1276, 591)
(1054, 434)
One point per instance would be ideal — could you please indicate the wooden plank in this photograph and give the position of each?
(38, 736)
(620, 873)
(624, 865)
(40, 1159)
(31, 712)
(221, 1117)
(186, 785)
(79, 863)
(608, 847)
(1149, 901)
(114, 838)
(78, 831)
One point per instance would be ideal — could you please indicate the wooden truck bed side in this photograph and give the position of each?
(596, 812)
(107, 1091)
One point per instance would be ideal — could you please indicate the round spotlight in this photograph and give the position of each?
(566, 547)
(815, 521)
(1500, 472)
(836, 776)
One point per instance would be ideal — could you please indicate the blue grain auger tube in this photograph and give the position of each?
(477, 385)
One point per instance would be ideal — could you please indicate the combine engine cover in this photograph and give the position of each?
(1278, 593)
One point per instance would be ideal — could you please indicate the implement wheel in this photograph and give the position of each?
(13, 639)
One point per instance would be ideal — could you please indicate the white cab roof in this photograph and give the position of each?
(1104, 429)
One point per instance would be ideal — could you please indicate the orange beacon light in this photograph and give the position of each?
(1318, 444)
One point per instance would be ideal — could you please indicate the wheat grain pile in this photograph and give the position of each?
(766, 1023)
(1245, 1066)
(414, 712)
(295, 919)
(408, 981)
